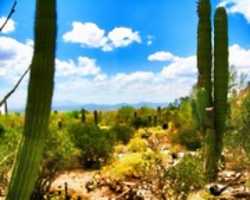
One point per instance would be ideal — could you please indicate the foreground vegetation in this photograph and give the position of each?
(161, 158)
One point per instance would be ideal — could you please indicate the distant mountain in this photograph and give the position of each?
(105, 107)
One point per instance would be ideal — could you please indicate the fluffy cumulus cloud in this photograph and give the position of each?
(9, 27)
(83, 67)
(90, 35)
(239, 57)
(238, 6)
(182, 68)
(82, 80)
(14, 57)
(162, 56)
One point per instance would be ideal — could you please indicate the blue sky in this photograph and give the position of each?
(113, 51)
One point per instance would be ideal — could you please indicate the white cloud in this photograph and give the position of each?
(162, 56)
(181, 68)
(122, 37)
(82, 80)
(9, 27)
(238, 6)
(90, 35)
(239, 57)
(86, 34)
(15, 57)
(83, 67)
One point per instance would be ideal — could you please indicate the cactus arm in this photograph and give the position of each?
(221, 74)
(204, 48)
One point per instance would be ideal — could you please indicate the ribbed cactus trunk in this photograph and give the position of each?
(210, 110)
(204, 100)
(204, 48)
(221, 76)
(96, 117)
(83, 115)
(38, 107)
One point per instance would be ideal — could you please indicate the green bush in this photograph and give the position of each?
(122, 133)
(2, 130)
(95, 144)
(189, 138)
(8, 146)
(245, 117)
(186, 176)
(140, 122)
(59, 154)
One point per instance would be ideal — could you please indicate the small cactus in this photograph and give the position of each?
(96, 119)
(83, 115)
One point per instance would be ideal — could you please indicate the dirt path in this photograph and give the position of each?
(76, 181)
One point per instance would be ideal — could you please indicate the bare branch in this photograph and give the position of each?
(13, 8)
(14, 88)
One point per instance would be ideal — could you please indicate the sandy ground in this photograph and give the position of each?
(76, 181)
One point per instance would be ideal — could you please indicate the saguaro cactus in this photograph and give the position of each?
(38, 107)
(210, 110)
(83, 115)
(221, 77)
(204, 48)
(221, 74)
(96, 117)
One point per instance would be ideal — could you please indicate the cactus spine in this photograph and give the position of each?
(210, 110)
(38, 107)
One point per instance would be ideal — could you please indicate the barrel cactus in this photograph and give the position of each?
(40, 92)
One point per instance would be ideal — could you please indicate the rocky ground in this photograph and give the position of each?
(83, 185)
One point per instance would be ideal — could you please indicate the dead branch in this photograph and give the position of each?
(14, 88)
(13, 8)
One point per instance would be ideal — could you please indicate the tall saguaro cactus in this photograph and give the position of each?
(204, 46)
(221, 74)
(40, 92)
(210, 105)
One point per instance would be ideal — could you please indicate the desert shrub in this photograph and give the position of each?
(131, 165)
(140, 122)
(238, 136)
(95, 144)
(189, 138)
(59, 154)
(186, 176)
(122, 133)
(245, 117)
(137, 145)
(2, 130)
(59, 150)
(125, 114)
(8, 146)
